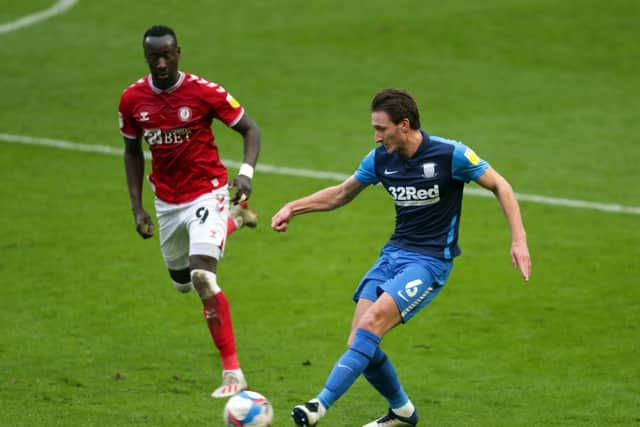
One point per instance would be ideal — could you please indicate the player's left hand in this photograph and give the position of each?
(520, 258)
(242, 185)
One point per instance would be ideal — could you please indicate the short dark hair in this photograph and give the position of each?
(398, 104)
(159, 31)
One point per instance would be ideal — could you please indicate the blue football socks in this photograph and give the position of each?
(382, 375)
(352, 363)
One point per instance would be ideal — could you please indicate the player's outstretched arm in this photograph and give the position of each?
(494, 182)
(134, 168)
(324, 200)
(251, 135)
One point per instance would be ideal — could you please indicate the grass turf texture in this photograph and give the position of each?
(93, 333)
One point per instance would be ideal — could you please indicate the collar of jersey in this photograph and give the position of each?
(422, 149)
(171, 89)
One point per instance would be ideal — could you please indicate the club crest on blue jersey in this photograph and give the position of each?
(429, 170)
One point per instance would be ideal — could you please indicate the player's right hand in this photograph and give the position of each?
(144, 225)
(280, 221)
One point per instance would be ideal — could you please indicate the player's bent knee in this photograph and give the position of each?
(369, 323)
(378, 322)
(205, 283)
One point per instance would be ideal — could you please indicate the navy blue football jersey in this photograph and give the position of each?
(427, 192)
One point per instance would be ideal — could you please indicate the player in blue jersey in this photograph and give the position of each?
(425, 176)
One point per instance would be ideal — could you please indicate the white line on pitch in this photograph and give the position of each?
(60, 7)
(307, 173)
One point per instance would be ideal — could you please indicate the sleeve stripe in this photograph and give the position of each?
(237, 119)
(126, 135)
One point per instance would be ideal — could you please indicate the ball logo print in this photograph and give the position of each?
(248, 409)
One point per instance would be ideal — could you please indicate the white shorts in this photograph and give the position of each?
(198, 227)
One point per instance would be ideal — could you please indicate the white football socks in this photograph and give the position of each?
(321, 409)
(405, 410)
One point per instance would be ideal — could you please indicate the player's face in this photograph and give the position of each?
(387, 133)
(162, 56)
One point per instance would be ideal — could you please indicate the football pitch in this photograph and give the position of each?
(94, 334)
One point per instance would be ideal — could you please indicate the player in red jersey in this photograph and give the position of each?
(173, 111)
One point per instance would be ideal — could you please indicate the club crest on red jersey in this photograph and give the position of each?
(184, 113)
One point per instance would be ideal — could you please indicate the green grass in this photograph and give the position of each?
(93, 333)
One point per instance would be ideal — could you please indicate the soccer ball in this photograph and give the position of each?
(248, 409)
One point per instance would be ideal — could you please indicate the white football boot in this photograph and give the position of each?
(233, 382)
(306, 415)
(242, 215)
(391, 419)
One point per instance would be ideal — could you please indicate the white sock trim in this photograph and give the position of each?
(210, 277)
(321, 409)
(238, 372)
(405, 410)
(183, 287)
(237, 220)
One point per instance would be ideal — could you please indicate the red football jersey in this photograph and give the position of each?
(176, 123)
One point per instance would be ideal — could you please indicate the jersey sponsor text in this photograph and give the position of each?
(412, 196)
(171, 136)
